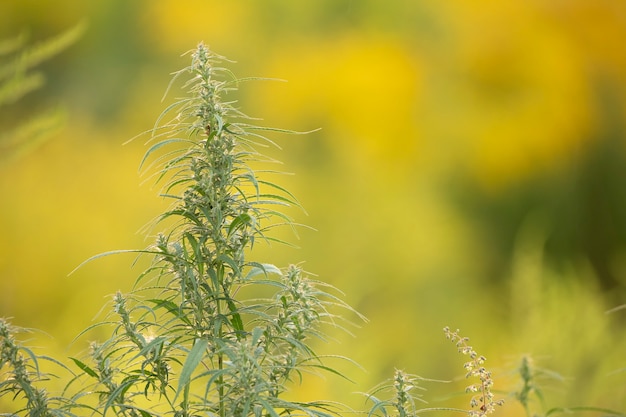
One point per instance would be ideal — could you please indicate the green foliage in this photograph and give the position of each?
(206, 329)
(183, 342)
(23, 372)
(21, 376)
(400, 390)
(18, 78)
(531, 377)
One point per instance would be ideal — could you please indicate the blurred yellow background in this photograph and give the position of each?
(469, 172)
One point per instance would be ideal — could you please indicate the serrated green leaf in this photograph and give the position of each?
(239, 222)
(236, 317)
(268, 407)
(85, 368)
(33, 357)
(119, 393)
(259, 268)
(171, 307)
(230, 262)
(195, 356)
(149, 346)
(159, 145)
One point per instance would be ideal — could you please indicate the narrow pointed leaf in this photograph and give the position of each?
(239, 222)
(113, 252)
(85, 368)
(195, 356)
(236, 317)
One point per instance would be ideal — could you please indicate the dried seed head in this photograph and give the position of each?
(484, 400)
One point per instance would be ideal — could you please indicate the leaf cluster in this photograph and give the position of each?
(184, 341)
(193, 337)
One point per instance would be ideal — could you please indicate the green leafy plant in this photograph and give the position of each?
(19, 367)
(531, 392)
(182, 342)
(402, 399)
(206, 330)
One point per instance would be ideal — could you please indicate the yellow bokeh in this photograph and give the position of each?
(522, 88)
(363, 88)
(174, 27)
(491, 93)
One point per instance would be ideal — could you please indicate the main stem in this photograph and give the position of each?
(220, 361)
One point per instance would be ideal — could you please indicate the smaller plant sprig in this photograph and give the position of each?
(20, 371)
(403, 399)
(20, 375)
(483, 402)
(529, 374)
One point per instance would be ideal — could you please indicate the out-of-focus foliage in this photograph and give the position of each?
(17, 79)
(468, 171)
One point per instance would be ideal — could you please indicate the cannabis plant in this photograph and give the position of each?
(207, 330)
(191, 338)
(194, 336)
